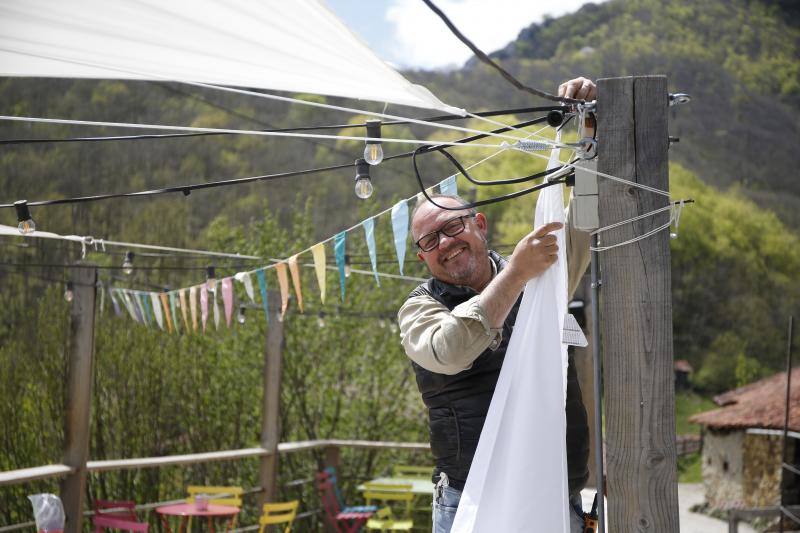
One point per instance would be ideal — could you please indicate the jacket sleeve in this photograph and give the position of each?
(444, 341)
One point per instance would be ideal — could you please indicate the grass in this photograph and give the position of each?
(689, 470)
(688, 403)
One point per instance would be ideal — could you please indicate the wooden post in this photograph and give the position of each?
(79, 392)
(270, 410)
(636, 308)
(583, 366)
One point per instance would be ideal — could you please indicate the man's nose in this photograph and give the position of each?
(444, 241)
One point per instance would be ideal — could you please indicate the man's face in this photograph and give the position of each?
(459, 260)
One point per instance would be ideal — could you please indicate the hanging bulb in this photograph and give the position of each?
(26, 224)
(347, 268)
(68, 294)
(240, 317)
(127, 264)
(373, 151)
(382, 323)
(321, 319)
(211, 279)
(363, 182)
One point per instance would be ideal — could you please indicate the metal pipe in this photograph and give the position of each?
(598, 411)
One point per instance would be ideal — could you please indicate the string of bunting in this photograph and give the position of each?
(191, 309)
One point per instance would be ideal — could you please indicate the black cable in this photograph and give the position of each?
(473, 205)
(441, 118)
(509, 181)
(486, 59)
(187, 189)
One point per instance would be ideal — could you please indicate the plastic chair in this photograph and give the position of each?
(415, 472)
(117, 515)
(347, 520)
(278, 513)
(389, 493)
(218, 496)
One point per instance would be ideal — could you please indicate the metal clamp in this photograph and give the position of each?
(679, 99)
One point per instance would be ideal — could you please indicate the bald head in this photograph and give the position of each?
(425, 210)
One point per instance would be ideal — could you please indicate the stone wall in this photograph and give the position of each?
(723, 468)
(761, 478)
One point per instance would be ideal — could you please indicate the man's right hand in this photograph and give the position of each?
(535, 253)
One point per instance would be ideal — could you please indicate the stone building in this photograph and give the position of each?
(742, 444)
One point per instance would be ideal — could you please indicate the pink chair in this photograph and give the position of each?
(117, 515)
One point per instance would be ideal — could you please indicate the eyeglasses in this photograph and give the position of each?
(451, 228)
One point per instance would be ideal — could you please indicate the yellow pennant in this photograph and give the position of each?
(295, 271)
(182, 296)
(318, 251)
(165, 305)
(283, 282)
(193, 306)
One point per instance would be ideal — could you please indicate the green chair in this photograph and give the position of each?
(389, 494)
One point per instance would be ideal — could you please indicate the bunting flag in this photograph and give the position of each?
(295, 271)
(167, 314)
(227, 299)
(182, 299)
(173, 297)
(339, 248)
(262, 286)
(156, 302)
(448, 186)
(204, 305)
(369, 231)
(214, 294)
(193, 306)
(245, 279)
(114, 302)
(400, 230)
(318, 252)
(283, 283)
(146, 312)
(102, 299)
(129, 305)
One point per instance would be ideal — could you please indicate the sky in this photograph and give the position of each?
(408, 35)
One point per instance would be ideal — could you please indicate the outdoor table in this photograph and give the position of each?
(419, 486)
(186, 510)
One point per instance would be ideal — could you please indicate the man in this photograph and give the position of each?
(456, 326)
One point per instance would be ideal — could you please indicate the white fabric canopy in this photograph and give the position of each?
(296, 46)
(518, 478)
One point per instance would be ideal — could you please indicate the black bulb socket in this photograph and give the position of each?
(373, 130)
(129, 256)
(362, 169)
(211, 272)
(555, 118)
(23, 213)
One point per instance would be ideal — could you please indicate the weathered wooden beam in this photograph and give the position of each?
(585, 370)
(79, 393)
(23, 475)
(270, 410)
(636, 308)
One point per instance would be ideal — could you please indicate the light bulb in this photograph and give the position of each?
(127, 264)
(240, 317)
(373, 152)
(321, 320)
(211, 279)
(363, 182)
(382, 323)
(347, 268)
(68, 294)
(26, 224)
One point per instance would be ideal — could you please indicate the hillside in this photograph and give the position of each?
(737, 58)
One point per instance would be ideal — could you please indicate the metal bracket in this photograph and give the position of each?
(679, 99)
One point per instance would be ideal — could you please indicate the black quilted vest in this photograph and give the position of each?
(457, 404)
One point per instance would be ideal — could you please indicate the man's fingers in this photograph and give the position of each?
(541, 231)
(578, 89)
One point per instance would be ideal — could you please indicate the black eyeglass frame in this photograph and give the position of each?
(441, 230)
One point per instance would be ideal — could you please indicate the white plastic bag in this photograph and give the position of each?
(48, 512)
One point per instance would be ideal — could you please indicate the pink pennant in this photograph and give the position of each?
(227, 299)
(204, 305)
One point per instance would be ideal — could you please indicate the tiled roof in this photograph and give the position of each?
(757, 405)
(682, 365)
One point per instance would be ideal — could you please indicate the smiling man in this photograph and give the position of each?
(456, 326)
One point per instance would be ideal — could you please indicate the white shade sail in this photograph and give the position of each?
(296, 46)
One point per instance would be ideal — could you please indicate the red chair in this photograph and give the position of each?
(349, 520)
(117, 515)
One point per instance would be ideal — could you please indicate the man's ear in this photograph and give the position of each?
(482, 223)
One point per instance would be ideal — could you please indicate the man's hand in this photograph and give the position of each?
(579, 89)
(534, 253)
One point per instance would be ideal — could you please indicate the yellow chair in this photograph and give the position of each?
(415, 472)
(388, 493)
(217, 496)
(278, 513)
